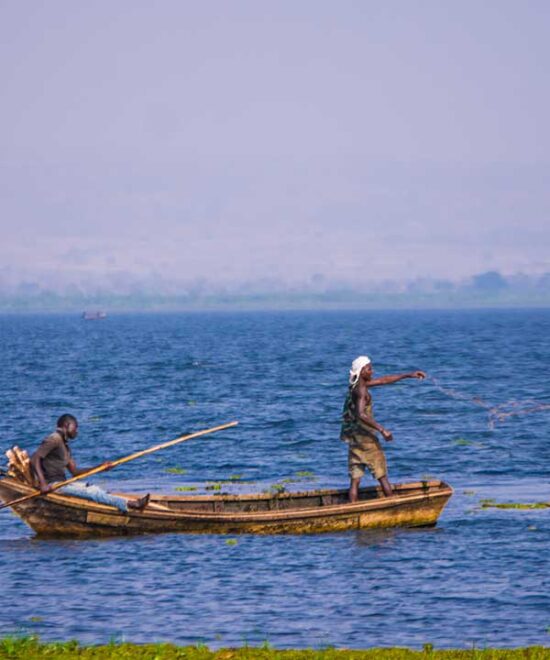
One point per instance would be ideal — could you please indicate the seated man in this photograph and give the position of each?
(53, 456)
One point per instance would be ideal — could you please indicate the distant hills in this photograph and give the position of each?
(488, 289)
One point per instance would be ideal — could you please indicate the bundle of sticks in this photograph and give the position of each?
(19, 465)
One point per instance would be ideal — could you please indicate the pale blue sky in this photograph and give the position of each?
(237, 140)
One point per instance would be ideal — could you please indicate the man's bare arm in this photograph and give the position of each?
(76, 472)
(390, 380)
(37, 467)
(368, 420)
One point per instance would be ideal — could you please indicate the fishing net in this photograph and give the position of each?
(495, 412)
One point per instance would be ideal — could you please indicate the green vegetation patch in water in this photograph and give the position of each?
(185, 489)
(30, 647)
(234, 480)
(275, 489)
(301, 475)
(464, 442)
(491, 504)
(176, 470)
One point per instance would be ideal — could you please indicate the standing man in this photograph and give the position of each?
(359, 426)
(53, 457)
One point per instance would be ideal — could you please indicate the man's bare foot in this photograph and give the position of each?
(140, 503)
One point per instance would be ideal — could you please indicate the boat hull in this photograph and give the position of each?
(57, 515)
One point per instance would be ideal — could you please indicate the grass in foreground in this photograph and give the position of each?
(29, 648)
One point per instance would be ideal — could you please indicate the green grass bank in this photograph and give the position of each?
(28, 648)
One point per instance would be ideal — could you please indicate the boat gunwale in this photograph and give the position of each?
(413, 485)
(442, 490)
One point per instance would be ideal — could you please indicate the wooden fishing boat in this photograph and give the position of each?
(57, 515)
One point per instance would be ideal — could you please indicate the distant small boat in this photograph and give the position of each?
(416, 504)
(96, 315)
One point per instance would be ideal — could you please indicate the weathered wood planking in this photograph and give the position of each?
(19, 464)
(415, 504)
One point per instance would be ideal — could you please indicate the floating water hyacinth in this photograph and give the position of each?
(491, 504)
(275, 489)
(176, 470)
(302, 475)
(463, 442)
(233, 479)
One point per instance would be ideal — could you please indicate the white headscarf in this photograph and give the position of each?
(356, 367)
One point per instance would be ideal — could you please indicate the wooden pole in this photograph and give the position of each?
(120, 461)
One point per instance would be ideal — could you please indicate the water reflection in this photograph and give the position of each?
(377, 538)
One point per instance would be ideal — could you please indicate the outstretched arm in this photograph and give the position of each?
(389, 380)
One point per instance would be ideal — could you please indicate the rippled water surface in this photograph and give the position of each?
(480, 577)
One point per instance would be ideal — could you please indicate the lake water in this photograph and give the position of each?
(480, 577)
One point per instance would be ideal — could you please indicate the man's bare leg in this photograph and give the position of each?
(386, 486)
(354, 489)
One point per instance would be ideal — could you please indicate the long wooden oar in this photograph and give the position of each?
(120, 461)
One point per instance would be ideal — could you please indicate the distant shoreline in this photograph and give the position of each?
(112, 310)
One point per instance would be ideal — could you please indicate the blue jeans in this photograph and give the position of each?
(95, 494)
